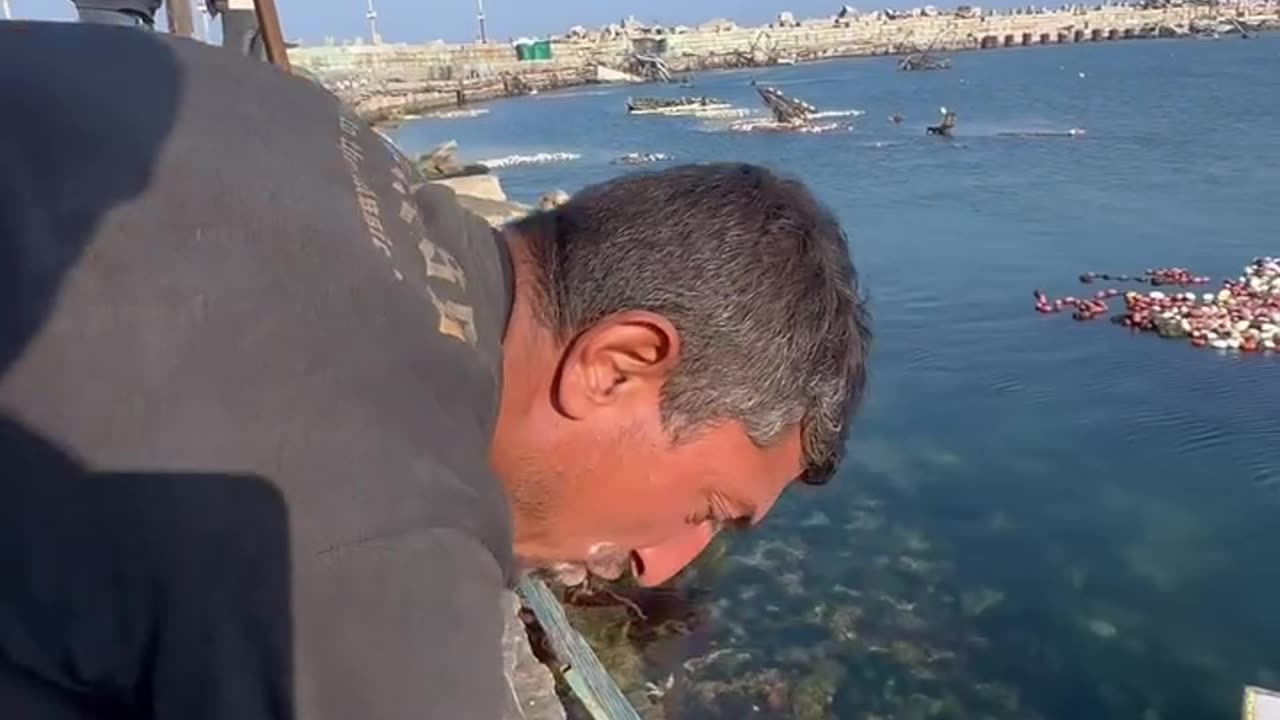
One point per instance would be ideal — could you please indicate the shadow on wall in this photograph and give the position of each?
(95, 564)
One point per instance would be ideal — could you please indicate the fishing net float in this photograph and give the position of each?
(1243, 315)
(1159, 276)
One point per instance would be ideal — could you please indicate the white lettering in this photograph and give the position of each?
(456, 321)
(348, 126)
(408, 213)
(441, 264)
(351, 151)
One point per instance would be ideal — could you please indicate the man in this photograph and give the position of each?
(278, 424)
(240, 30)
(132, 13)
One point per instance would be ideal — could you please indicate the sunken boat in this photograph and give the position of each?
(674, 106)
(786, 110)
(787, 114)
(924, 60)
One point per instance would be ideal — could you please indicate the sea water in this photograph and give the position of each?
(1037, 518)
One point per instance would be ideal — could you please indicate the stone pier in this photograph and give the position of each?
(386, 81)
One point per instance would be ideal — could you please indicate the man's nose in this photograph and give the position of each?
(659, 563)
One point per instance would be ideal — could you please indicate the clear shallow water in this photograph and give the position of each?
(1038, 518)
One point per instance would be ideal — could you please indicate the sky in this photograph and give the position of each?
(417, 21)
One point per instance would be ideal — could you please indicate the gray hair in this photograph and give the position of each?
(753, 272)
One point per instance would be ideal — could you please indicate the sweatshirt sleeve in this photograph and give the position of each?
(408, 628)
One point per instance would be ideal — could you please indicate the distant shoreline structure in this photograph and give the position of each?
(384, 82)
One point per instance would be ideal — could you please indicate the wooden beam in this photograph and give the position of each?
(179, 14)
(272, 37)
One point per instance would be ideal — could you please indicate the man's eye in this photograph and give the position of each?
(721, 517)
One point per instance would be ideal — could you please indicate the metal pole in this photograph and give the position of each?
(204, 21)
(480, 18)
(179, 13)
(4, 4)
(272, 37)
(373, 24)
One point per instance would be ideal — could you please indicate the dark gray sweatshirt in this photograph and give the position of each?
(248, 379)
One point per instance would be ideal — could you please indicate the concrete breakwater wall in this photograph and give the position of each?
(383, 82)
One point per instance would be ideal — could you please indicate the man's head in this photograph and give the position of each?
(684, 345)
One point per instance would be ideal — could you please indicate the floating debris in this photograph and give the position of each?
(944, 128)
(1069, 132)
(923, 60)
(1243, 315)
(637, 158)
(720, 113)
(656, 691)
(1156, 277)
(837, 114)
(772, 126)
(675, 106)
(791, 115)
(535, 159)
(454, 114)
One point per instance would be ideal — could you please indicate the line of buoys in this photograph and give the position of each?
(1157, 277)
(1084, 308)
(1243, 315)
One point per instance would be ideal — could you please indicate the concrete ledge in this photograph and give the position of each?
(485, 187)
(533, 688)
(483, 195)
(495, 212)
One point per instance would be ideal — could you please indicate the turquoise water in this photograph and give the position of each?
(1038, 518)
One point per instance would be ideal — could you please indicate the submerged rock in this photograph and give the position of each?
(976, 602)
(1101, 628)
(442, 162)
(812, 696)
(552, 199)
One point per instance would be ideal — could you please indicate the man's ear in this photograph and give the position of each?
(624, 357)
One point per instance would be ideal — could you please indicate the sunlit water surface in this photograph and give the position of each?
(1038, 518)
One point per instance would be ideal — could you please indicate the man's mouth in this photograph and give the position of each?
(608, 560)
(604, 560)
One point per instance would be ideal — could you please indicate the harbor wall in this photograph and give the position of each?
(389, 80)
